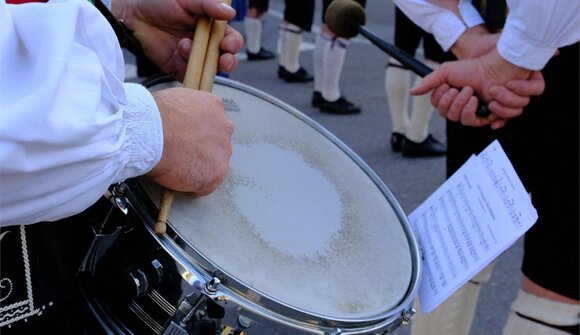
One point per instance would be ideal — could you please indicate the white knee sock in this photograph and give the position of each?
(332, 63)
(290, 40)
(544, 310)
(397, 81)
(253, 29)
(318, 56)
(455, 315)
(421, 112)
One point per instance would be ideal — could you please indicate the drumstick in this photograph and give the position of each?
(197, 57)
(199, 74)
(218, 30)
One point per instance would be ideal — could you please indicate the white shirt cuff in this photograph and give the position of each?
(516, 49)
(447, 29)
(144, 132)
(469, 14)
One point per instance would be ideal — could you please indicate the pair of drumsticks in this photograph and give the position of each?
(199, 75)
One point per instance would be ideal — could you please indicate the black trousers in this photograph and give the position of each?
(408, 36)
(543, 145)
(301, 12)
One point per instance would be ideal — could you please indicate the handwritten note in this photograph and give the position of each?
(478, 213)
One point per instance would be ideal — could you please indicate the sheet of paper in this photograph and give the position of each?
(471, 219)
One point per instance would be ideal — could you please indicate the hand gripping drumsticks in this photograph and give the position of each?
(199, 75)
(346, 18)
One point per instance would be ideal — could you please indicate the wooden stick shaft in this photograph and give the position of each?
(218, 30)
(199, 46)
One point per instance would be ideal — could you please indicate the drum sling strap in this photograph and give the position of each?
(125, 36)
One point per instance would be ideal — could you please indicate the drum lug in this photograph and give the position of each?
(243, 324)
(407, 315)
(337, 331)
(139, 282)
(212, 286)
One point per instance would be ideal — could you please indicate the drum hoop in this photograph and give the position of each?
(233, 289)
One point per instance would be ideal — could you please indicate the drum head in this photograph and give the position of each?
(300, 219)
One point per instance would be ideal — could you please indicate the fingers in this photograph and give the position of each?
(507, 97)
(469, 116)
(510, 99)
(230, 45)
(461, 106)
(232, 41)
(228, 63)
(212, 8)
(438, 94)
(430, 82)
(504, 111)
(534, 85)
(454, 102)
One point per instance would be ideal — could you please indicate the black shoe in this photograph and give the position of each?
(263, 54)
(340, 106)
(300, 76)
(317, 99)
(431, 147)
(397, 141)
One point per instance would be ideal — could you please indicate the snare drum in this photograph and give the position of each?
(301, 237)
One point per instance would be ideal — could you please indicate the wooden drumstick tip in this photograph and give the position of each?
(160, 228)
(164, 206)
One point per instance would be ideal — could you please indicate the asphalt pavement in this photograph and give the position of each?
(411, 180)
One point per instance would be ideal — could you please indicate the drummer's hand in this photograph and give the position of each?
(165, 29)
(197, 141)
(488, 76)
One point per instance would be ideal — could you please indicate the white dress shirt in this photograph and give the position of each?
(69, 125)
(533, 31)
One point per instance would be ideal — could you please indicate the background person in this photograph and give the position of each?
(298, 17)
(410, 133)
(548, 301)
(253, 30)
(329, 55)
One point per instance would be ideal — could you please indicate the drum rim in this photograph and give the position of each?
(199, 264)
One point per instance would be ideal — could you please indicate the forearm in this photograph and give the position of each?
(69, 127)
(474, 42)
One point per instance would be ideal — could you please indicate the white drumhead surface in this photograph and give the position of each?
(297, 219)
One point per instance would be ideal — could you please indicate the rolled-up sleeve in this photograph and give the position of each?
(69, 125)
(535, 29)
(445, 25)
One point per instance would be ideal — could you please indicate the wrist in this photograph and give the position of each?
(500, 70)
(466, 45)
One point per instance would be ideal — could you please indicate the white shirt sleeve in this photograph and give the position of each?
(445, 26)
(535, 29)
(69, 125)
